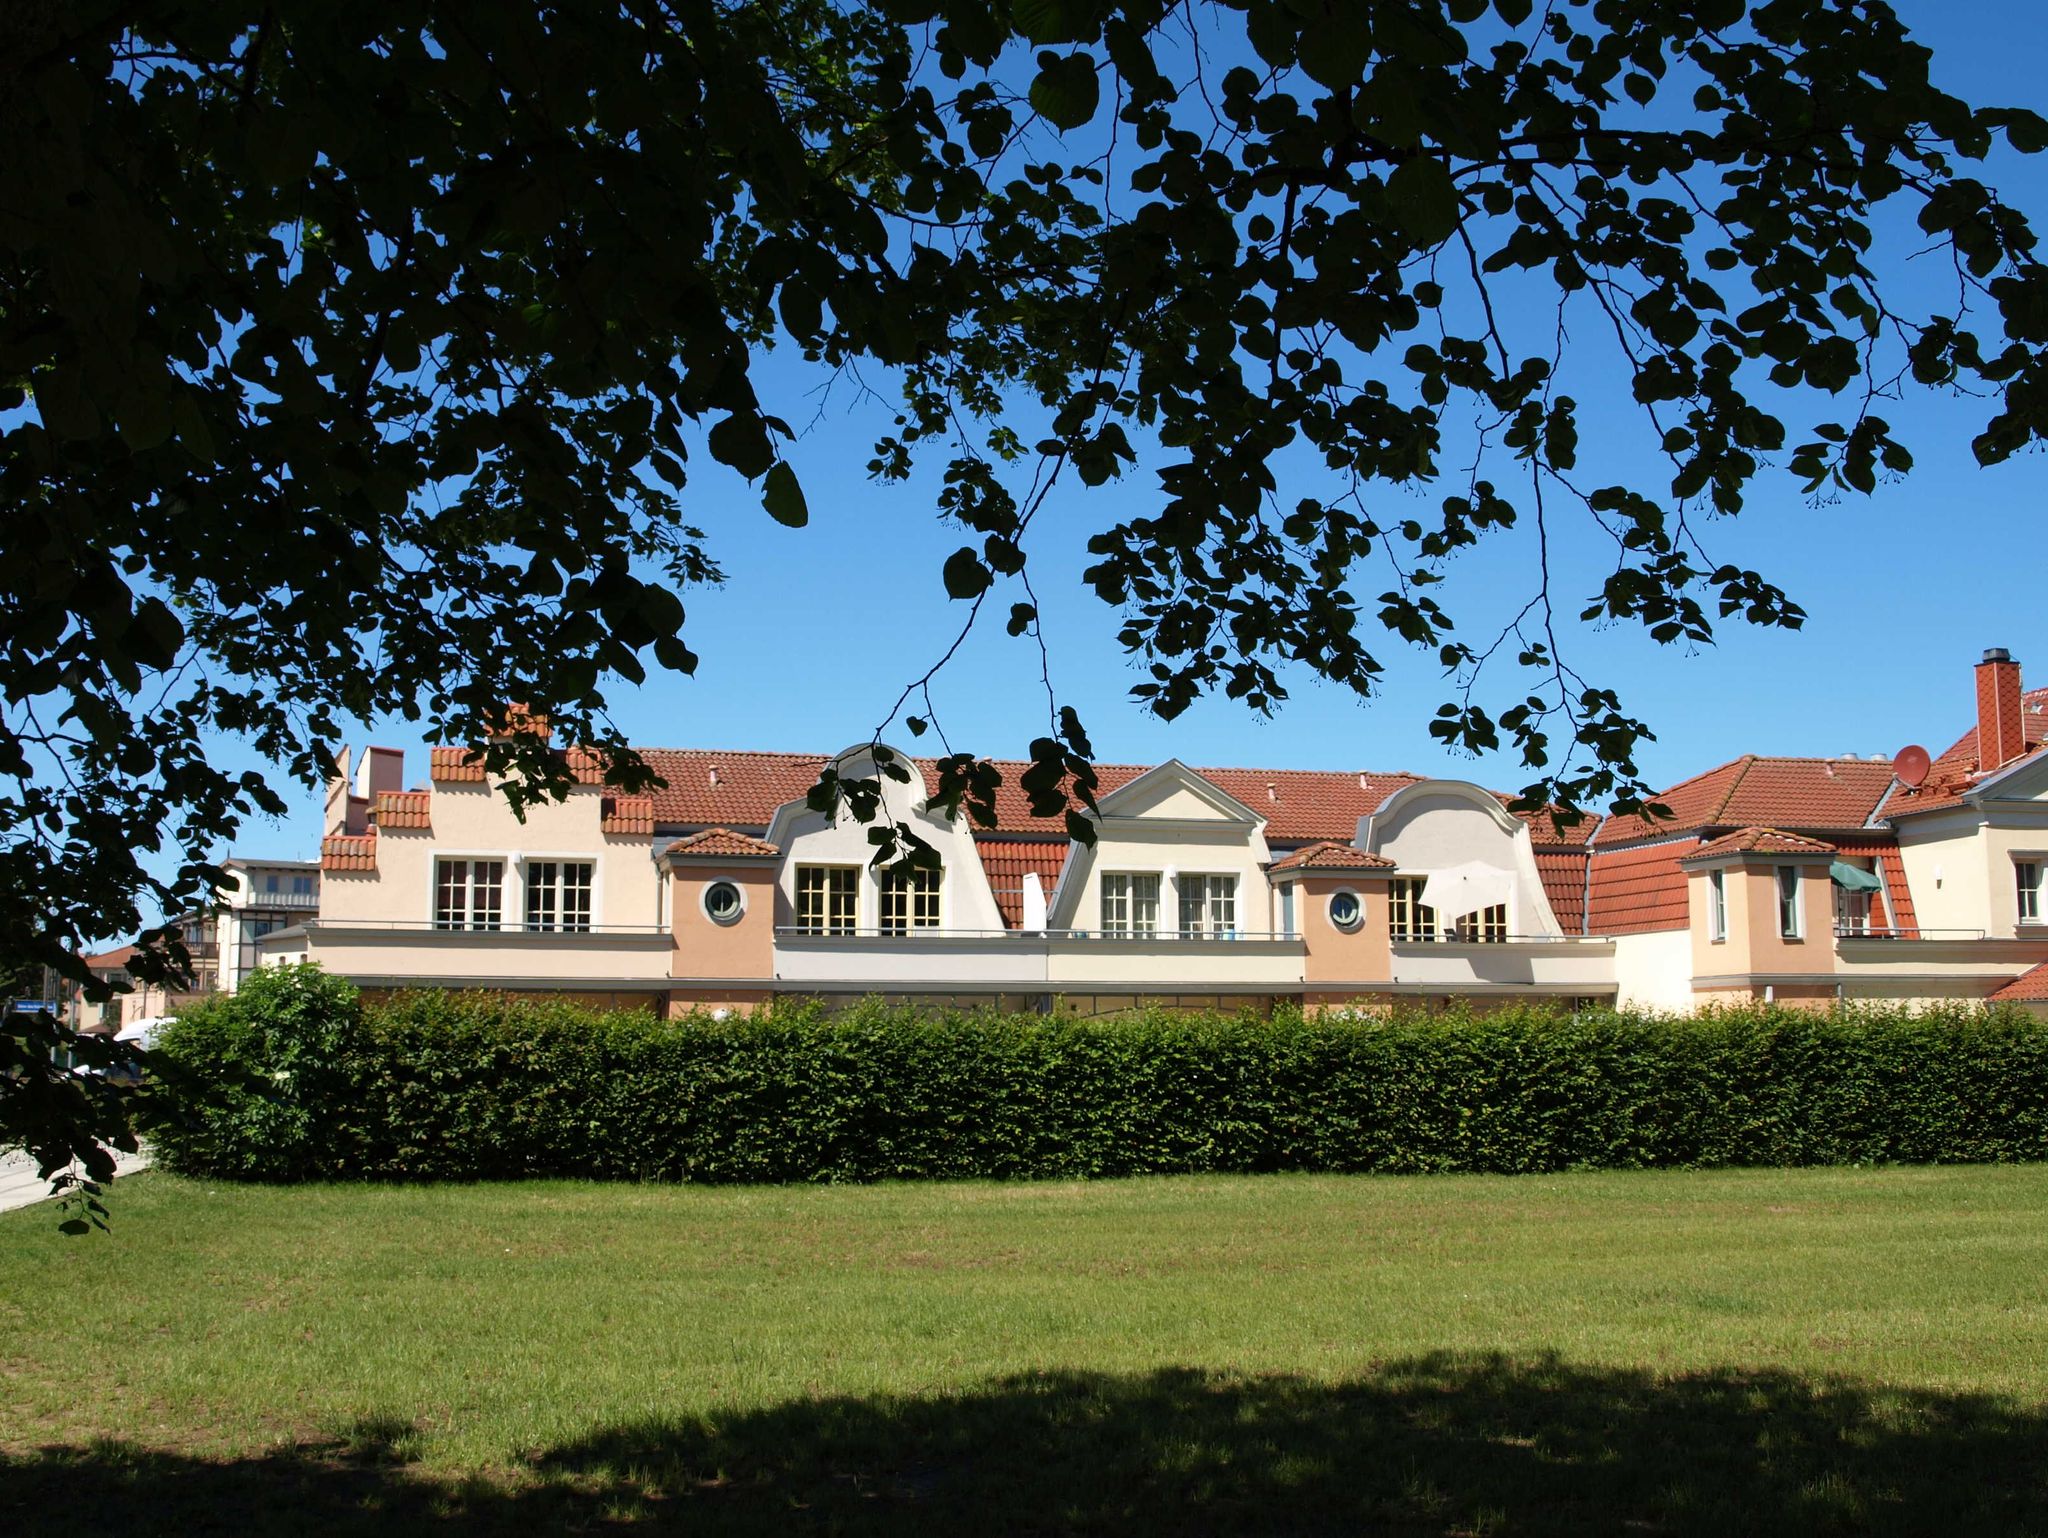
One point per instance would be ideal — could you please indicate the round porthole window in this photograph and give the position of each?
(723, 902)
(1346, 911)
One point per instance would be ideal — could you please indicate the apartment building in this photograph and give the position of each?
(1796, 879)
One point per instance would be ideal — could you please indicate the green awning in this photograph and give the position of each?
(1851, 878)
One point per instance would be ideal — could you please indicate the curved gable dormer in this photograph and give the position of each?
(1450, 825)
(807, 837)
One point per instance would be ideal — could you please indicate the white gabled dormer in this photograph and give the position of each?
(1176, 852)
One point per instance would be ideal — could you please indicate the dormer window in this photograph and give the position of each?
(1208, 906)
(910, 900)
(1130, 903)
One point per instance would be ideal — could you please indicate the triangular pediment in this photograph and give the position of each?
(1175, 793)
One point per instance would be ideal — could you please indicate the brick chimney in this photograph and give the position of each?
(2001, 730)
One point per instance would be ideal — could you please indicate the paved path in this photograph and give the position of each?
(19, 1186)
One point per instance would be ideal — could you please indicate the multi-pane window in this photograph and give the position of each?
(1488, 926)
(1208, 906)
(910, 900)
(1408, 917)
(1789, 924)
(558, 894)
(2026, 875)
(1130, 904)
(1852, 912)
(469, 894)
(827, 899)
(1717, 905)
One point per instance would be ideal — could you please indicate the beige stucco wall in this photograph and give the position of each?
(1439, 824)
(807, 838)
(473, 821)
(508, 958)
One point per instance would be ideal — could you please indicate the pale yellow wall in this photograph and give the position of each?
(1943, 856)
(473, 821)
(1654, 970)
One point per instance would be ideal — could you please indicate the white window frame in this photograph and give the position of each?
(1125, 897)
(1207, 904)
(2027, 888)
(465, 921)
(1852, 912)
(1330, 911)
(1791, 906)
(1284, 895)
(829, 919)
(704, 900)
(918, 893)
(1717, 906)
(555, 885)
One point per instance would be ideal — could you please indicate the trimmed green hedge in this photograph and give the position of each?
(294, 1078)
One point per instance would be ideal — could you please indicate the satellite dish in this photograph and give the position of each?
(1910, 766)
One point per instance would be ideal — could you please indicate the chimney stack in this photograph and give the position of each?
(2001, 730)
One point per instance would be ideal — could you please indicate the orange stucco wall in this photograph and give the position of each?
(1754, 945)
(743, 951)
(1332, 956)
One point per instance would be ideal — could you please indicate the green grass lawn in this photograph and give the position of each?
(1798, 1351)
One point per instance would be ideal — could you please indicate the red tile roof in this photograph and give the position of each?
(743, 789)
(2028, 986)
(721, 843)
(454, 765)
(401, 809)
(1760, 841)
(1006, 860)
(109, 961)
(1956, 770)
(346, 851)
(1822, 793)
(1330, 855)
(627, 815)
(1639, 889)
(1563, 873)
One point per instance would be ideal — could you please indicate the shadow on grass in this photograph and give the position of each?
(1439, 1444)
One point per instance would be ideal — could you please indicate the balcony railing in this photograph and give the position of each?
(1846, 932)
(296, 902)
(1192, 936)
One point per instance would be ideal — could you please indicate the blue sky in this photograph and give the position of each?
(815, 632)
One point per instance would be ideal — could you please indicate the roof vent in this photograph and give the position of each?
(1272, 794)
(714, 774)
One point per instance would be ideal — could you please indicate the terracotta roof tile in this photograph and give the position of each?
(454, 765)
(108, 961)
(1639, 889)
(1955, 771)
(721, 843)
(406, 809)
(1330, 855)
(1564, 873)
(2028, 986)
(349, 852)
(1007, 860)
(1823, 793)
(628, 815)
(1760, 841)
